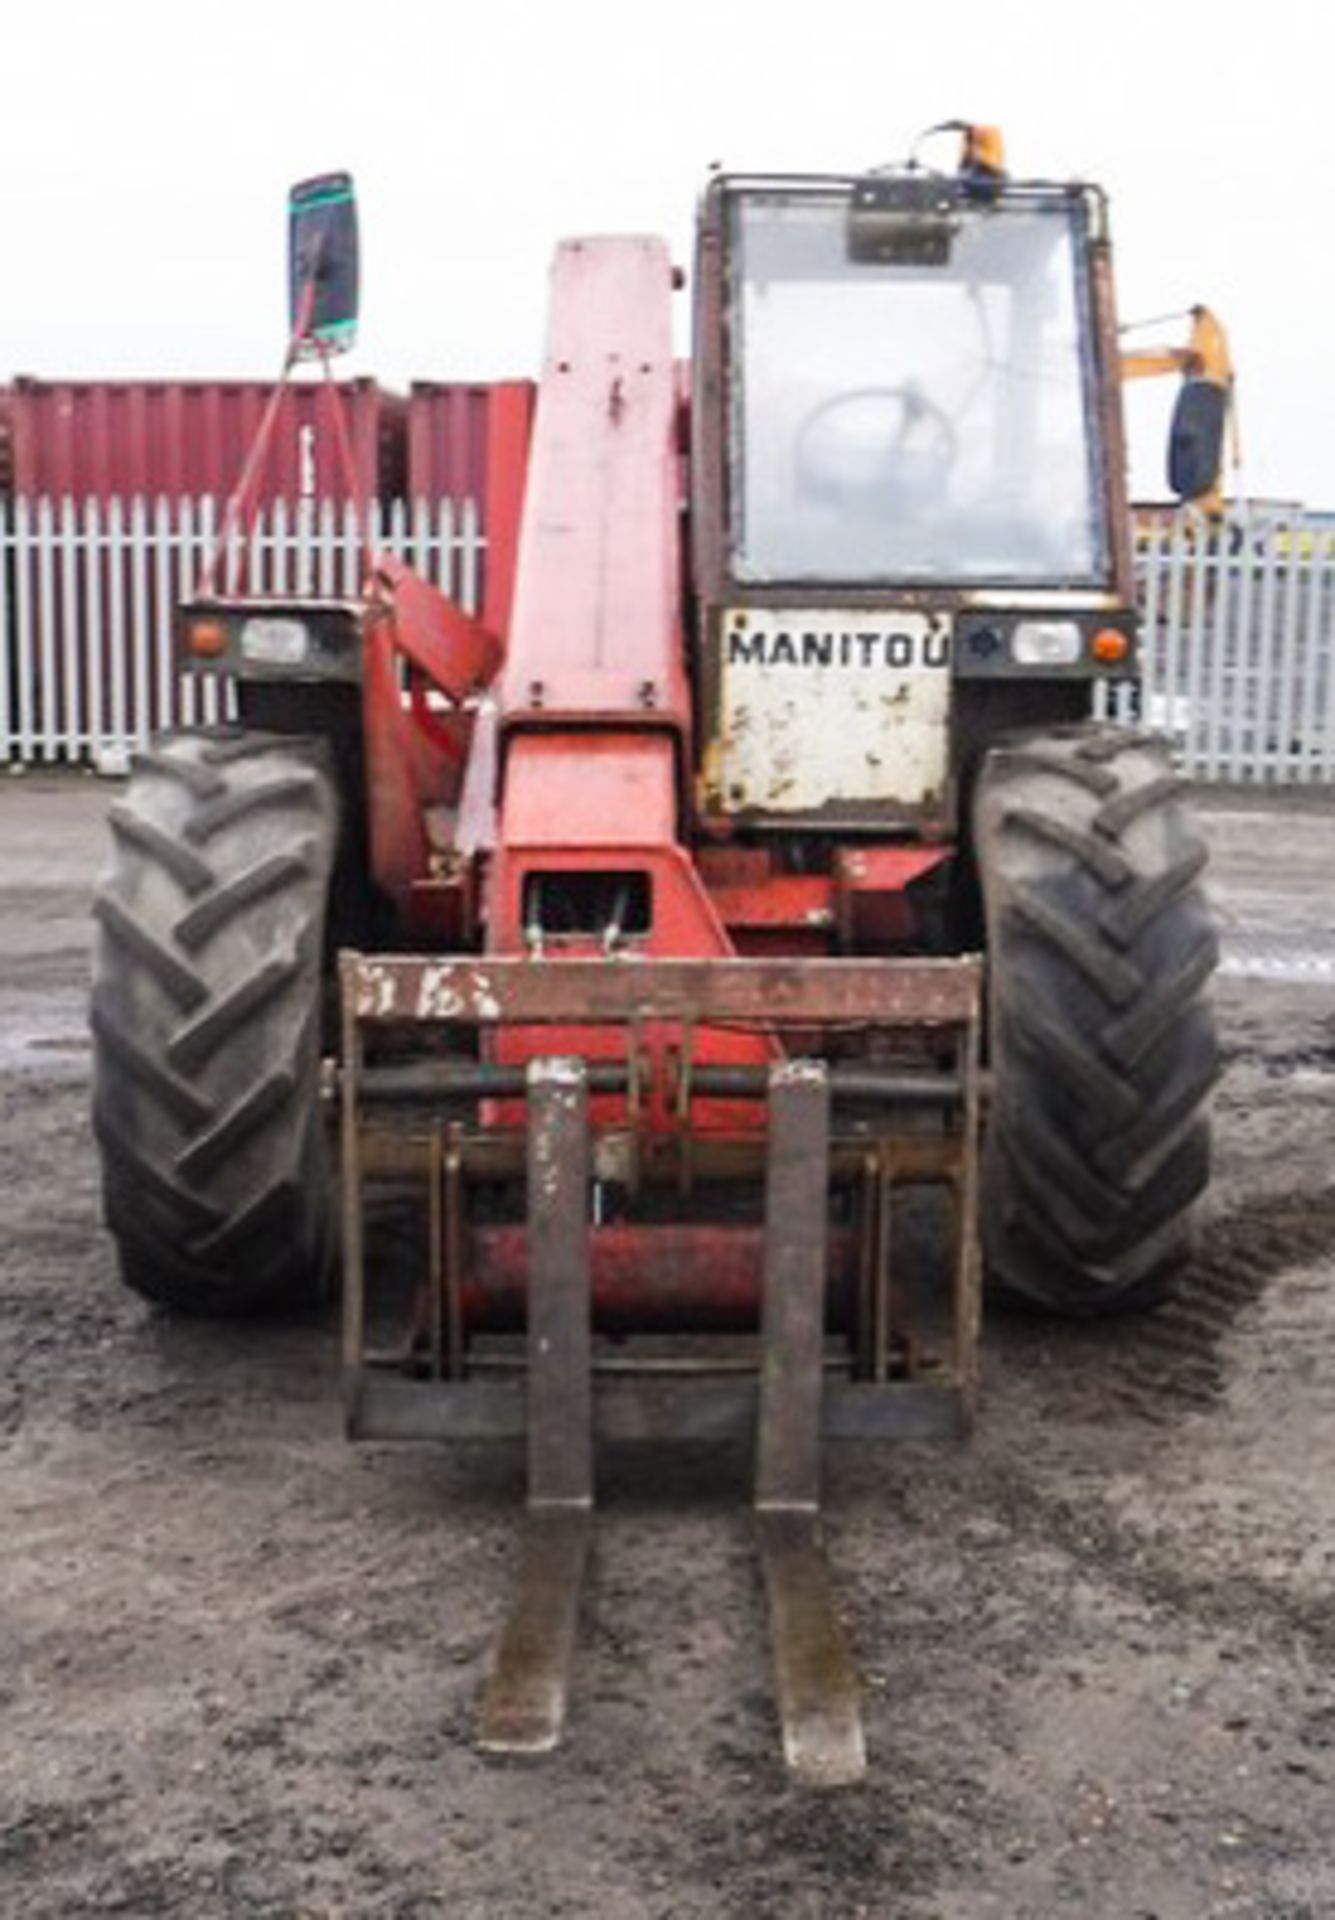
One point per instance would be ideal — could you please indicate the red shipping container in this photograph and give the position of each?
(98, 438)
(447, 440)
(6, 444)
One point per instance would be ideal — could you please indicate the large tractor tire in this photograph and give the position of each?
(206, 1018)
(1101, 1038)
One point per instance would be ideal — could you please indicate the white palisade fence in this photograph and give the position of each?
(1238, 644)
(89, 592)
(1237, 622)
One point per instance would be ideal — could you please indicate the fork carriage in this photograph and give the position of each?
(826, 1340)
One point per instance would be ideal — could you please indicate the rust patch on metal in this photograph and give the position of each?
(769, 992)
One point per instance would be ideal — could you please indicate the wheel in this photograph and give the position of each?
(206, 1022)
(1101, 1037)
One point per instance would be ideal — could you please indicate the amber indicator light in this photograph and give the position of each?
(1109, 645)
(208, 637)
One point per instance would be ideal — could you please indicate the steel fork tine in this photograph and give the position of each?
(816, 1682)
(524, 1707)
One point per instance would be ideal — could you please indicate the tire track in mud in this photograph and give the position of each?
(1173, 1361)
(1158, 1369)
(1227, 1599)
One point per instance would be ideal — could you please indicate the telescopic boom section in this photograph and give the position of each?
(595, 634)
(594, 700)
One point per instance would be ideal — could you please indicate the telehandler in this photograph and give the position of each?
(746, 896)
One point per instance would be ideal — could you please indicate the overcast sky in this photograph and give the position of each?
(146, 150)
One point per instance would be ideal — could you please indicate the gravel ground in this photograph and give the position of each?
(241, 1658)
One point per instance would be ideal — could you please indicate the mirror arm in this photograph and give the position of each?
(305, 312)
(343, 443)
(312, 256)
(242, 497)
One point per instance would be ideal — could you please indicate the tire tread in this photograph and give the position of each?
(1103, 1045)
(206, 1026)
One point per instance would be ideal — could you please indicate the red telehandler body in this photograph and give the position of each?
(651, 930)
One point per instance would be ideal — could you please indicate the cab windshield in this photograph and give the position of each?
(920, 424)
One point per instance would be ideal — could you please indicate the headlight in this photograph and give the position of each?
(1046, 643)
(276, 643)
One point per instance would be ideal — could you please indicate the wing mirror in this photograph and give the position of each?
(1196, 439)
(322, 265)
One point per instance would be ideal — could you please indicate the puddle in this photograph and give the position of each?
(59, 1054)
(1296, 961)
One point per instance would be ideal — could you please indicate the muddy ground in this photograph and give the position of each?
(239, 1659)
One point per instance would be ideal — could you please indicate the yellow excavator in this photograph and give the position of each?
(1205, 409)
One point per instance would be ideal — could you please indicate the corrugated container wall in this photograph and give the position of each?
(447, 440)
(99, 438)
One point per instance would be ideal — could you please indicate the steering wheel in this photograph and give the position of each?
(906, 470)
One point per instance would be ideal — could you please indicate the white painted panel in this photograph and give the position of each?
(828, 705)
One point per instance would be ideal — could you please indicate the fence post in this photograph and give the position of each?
(1265, 682)
(1200, 550)
(23, 626)
(1325, 597)
(183, 573)
(48, 681)
(1222, 574)
(115, 551)
(142, 720)
(94, 648)
(1285, 759)
(346, 551)
(1244, 635)
(207, 535)
(470, 553)
(8, 660)
(279, 544)
(445, 571)
(164, 613)
(71, 675)
(305, 539)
